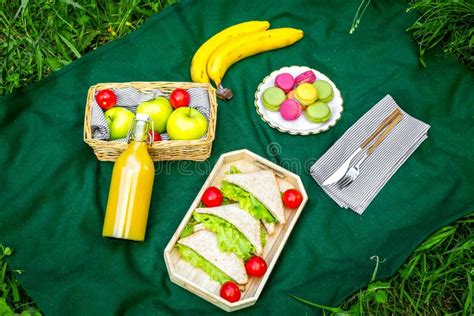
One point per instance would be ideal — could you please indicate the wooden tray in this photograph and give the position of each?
(196, 280)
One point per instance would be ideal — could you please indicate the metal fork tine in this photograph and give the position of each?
(350, 181)
(344, 181)
(347, 182)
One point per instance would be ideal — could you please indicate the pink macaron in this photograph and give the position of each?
(290, 110)
(285, 81)
(307, 76)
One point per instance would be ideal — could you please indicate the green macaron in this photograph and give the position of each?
(324, 88)
(318, 112)
(272, 98)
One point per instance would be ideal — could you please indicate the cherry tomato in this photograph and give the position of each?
(212, 197)
(156, 137)
(256, 266)
(292, 198)
(106, 99)
(179, 98)
(230, 291)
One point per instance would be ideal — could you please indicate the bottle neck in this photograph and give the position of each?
(140, 132)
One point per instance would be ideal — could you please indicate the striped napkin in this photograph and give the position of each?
(130, 98)
(379, 167)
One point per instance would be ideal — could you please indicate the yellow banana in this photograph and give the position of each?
(247, 45)
(199, 62)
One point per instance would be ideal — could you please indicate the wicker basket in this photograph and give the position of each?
(197, 150)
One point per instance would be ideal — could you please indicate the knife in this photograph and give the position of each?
(341, 171)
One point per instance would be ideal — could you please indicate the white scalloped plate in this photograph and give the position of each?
(300, 126)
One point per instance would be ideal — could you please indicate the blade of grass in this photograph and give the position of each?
(438, 238)
(328, 308)
(358, 16)
(22, 7)
(71, 47)
(14, 289)
(469, 295)
(39, 63)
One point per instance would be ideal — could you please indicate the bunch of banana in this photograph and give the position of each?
(221, 51)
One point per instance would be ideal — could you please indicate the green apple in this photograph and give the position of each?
(119, 121)
(159, 110)
(186, 124)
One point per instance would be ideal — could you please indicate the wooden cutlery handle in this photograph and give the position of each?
(384, 134)
(381, 127)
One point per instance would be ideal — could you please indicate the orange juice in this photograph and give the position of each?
(130, 188)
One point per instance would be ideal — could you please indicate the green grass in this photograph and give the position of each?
(448, 24)
(436, 279)
(13, 299)
(39, 37)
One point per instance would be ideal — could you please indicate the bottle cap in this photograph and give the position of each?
(141, 125)
(142, 117)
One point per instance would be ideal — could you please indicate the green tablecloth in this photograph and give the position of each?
(54, 191)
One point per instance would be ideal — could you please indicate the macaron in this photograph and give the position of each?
(272, 98)
(291, 95)
(318, 112)
(306, 93)
(290, 110)
(325, 92)
(307, 76)
(285, 81)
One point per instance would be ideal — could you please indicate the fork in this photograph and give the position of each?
(354, 171)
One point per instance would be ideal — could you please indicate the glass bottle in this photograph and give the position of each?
(131, 185)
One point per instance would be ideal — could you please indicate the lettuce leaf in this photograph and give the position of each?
(229, 238)
(198, 261)
(233, 170)
(263, 235)
(247, 202)
(188, 229)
